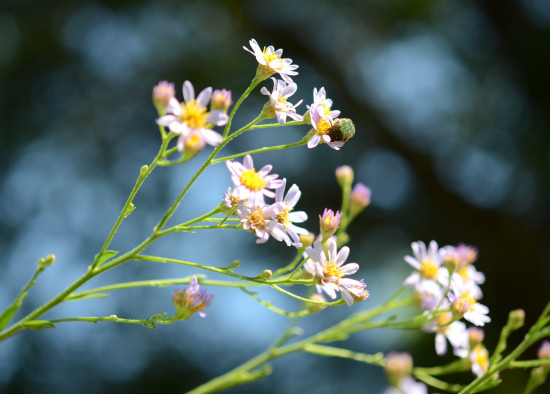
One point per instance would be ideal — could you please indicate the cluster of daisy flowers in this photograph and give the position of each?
(320, 113)
(194, 118)
(448, 288)
(277, 219)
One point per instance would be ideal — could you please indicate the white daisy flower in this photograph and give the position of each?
(278, 101)
(429, 270)
(330, 272)
(270, 62)
(286, 217)
(321, 126)
(262, 220)
(464, 303)
(251, 185)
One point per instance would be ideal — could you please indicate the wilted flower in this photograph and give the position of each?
(190, 300)
(270, 62)
(251, 185)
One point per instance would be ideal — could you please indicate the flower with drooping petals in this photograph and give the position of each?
(286, 217)
(321, 127)
(278, 105)
(270, 62)
(190, 300)
(262, 220)
(251, 185)
(330, 272)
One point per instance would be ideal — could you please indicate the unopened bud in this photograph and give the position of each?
(544, 351)
(307, 239)
(516, 319)
(316, 307)
(329, 223)
(46, 261)
(360, 199)
(266, 274)
(344, 176)
(397, 367)
(221, 100)
(163, 92)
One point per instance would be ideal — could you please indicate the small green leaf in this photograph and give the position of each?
(38, 324)
(105, 256)
(488, 385)
(77, 297)
(8, 314)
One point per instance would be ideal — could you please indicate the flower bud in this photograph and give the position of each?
(544, 351)
(397, 367)
(221, 100)
(344, 176)
(46, 261)
(306, 239)
(163, 92)
(360, 199)
(329, 223)
(316, 307)
(475, 336)
(516, 319)
(266, 274)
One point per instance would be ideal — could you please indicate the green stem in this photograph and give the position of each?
(303, 141)
(139, 182)
(248, 90)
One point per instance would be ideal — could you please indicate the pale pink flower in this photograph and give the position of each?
(278, 100)
(428, 265)
(270, 62)
(321, 126)
(286, 217)
(251, 185)
(330, 272)
(190, 300)
(262, 220)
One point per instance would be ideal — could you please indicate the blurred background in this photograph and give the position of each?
(450, 100)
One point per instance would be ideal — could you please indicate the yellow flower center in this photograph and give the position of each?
(194, 141)
(428, 269)
(464, 303)
(332, 269)
(193, 114)
(443, 321)
(323, 127)
(252, 180)
(256, 219)
(283, 217)
(326, 108)
(269, 57)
